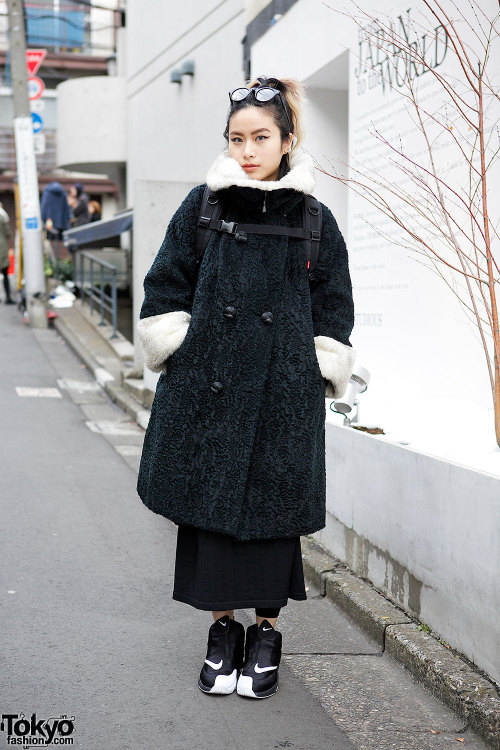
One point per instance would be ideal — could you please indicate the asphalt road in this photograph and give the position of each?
(89, 630)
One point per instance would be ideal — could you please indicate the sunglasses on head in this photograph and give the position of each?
(262, 94)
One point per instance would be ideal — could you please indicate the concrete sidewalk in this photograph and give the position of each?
(89, 626)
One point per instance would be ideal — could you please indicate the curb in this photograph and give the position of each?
(121, 346)
(115, 391)
(445, 673)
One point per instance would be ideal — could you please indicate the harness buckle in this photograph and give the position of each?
(226, 226)
(315, 235)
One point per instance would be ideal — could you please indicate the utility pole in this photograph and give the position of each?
(27, 176)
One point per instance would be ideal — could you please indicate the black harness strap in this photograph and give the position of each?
(210, 207)
(311, 221)
(235, 228)
(209, 220)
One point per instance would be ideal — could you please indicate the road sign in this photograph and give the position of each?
(36, 87)
(37, 122)
(34, 58)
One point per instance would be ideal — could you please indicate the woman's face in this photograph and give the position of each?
(254, 138)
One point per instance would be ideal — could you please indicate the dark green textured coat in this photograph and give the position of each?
(246, 348)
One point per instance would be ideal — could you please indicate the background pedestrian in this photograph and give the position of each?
(55, 213)
(79, 204)
(5, 234)
(94, 210)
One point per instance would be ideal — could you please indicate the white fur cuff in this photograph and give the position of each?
(335, 361)
(161, 335)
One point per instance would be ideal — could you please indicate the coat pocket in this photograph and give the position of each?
(181, 349)
(315, 365)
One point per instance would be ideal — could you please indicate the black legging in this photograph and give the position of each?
(6, 286)
(267, 611)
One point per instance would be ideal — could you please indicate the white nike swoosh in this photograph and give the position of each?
(266, 628)
(213, 664)
(263, 669)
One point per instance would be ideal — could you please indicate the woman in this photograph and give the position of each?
(247, 346)
(94, 211)
(78, 201)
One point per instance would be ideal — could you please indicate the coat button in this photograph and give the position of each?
(216, 386)
(229, 311)
(267, 317)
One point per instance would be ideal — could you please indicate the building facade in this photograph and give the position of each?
(410, 531)
(80, 43)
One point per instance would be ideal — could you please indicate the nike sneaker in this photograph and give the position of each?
(224, 658)
(259, 676)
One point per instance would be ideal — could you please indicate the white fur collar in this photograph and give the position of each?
(226, 171)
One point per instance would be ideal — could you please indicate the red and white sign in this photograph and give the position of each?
(36, 87)
(34, 58)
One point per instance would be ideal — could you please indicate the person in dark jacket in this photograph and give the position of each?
(247, 347)
(54, 210)
(79, 202)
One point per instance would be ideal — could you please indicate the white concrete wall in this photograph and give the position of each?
(325, 115)
(424, 531)
(322, 67)
(309, 36)
(91, 123)
(175, 131)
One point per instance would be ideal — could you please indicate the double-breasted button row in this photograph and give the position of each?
(229, 312)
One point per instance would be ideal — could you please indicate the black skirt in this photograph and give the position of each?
(216, 572)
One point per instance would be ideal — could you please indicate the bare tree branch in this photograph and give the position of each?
(438, 217)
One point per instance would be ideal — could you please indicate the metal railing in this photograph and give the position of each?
(94, 287)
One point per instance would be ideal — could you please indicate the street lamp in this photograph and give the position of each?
(358, 383)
